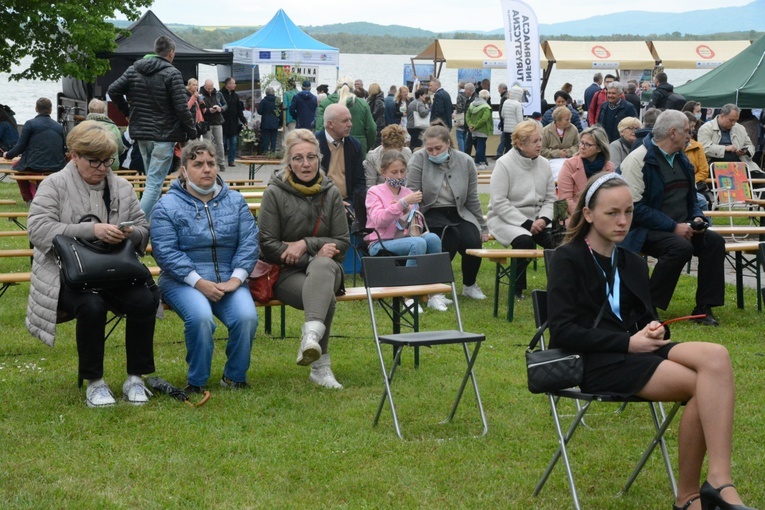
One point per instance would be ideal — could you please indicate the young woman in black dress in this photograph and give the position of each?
(629, 352)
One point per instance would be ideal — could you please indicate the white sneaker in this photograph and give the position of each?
(437, 302)
(135, 391)
(321, 374)
(473, 291)
(98, 394)
(446, 299)
(410, 302)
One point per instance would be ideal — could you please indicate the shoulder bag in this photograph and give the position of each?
(421, 122)
(414, 226)
(556, 369)
(91, 266)
(265, 274)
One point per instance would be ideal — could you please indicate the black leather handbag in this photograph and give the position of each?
(90, 266)
(552, 369)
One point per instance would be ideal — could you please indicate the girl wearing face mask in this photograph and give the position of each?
(449, 184)
(390, 207)
(205, 240)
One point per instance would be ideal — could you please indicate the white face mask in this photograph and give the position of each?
(697, 115)
(202, 191)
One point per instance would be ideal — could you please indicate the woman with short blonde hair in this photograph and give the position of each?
(623, 145)
(560, 139)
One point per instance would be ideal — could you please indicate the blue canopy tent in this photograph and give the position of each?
(281, 42)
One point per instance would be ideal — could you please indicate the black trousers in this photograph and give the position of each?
(137, 304)
(457, 237)
(524, 242)
(673, 253)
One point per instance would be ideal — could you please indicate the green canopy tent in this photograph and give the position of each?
(741, 81)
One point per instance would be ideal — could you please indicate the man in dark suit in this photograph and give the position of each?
(442, 104)
(341, 155)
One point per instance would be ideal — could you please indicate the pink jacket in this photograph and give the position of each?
(572, 180)
(383, 209)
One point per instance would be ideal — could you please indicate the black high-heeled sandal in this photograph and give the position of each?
(711, 498)
(687, 503)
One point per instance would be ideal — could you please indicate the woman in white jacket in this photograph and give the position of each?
(522, 197)
(511, 115)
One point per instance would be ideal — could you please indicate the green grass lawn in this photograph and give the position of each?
(287, 444)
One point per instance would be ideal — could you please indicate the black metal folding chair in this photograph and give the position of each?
(428, 269)
(660, 421)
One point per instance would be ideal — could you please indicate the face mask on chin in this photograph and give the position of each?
(439, 158)
(200, 190)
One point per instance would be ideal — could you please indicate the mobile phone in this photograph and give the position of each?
(125, 225)
(699, 225)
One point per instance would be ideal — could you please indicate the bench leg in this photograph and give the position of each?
(740, 280)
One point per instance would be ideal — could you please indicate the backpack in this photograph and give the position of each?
(675, 101)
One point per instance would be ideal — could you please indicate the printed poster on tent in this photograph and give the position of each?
(522, 49)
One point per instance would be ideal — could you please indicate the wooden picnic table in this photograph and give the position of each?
(256, 164)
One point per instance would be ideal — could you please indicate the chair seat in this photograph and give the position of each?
(427, 338)
(598, 397)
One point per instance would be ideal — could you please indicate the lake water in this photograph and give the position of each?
(386, 70)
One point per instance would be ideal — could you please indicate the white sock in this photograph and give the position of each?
(134, 378)
(96, 381)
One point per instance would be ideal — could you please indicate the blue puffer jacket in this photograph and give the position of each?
(212, 239)
(41, 145)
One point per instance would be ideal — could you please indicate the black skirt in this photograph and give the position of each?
(624, 378)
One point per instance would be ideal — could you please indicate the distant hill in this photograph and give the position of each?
(364, 28)
(699, 22)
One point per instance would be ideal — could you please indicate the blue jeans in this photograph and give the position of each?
(480, 149)
(157, 159)
(235, 310)
(417, 245)
(230, 143)
(461, 140)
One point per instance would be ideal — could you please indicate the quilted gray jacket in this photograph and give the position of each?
(61, 200)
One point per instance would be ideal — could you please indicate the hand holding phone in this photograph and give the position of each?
(125, 225)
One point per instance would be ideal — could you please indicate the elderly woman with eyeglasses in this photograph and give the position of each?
(303, 228)
(623, 145)
(87, 188)
(593, 157)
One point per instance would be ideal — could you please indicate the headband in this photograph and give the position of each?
(598, 183)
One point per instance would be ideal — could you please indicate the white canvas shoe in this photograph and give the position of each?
(473, 291)
(310, 350)
(437, 302)
(98, 394)
(410, 302)
(135, 391)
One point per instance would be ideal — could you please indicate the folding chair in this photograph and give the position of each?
(660, 421)
(428, 269)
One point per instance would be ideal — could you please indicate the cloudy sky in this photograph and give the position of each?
(434, 15)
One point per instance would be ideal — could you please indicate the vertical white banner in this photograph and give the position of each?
(522, 49)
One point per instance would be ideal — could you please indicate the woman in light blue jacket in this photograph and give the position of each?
(205, 240)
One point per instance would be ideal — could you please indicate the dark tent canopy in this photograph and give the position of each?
(740, 80)
(134, 46)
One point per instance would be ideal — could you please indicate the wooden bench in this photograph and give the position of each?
(737, 251)
(505, 274)
(6, 201)
(15, 216)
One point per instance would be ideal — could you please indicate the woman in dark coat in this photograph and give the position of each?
(627, 352)
(270, 119)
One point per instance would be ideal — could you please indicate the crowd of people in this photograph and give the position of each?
(630, 180)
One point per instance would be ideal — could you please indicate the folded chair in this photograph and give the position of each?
(428, 269)
(660, 421)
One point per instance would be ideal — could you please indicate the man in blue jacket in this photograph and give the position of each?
(158, 112)
(303, 107)
(667, 223)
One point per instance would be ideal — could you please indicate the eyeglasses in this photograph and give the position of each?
(95, 163)
(298, 160)
(586, 145)
(630, 128)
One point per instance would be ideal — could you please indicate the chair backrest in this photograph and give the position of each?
(427, 269)
(731, 184)
(539, 301)
(548, 258)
